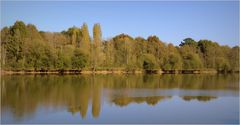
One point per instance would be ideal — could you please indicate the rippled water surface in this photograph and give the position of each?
(120, 99)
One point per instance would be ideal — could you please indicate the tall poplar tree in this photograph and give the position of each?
(85, 42)
(97, 37)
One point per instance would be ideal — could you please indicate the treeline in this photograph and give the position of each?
(24, 47)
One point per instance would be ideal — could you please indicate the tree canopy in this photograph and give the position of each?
(24, 47)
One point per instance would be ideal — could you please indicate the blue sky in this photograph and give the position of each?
(170, 21)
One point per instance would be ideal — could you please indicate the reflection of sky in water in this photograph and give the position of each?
(117, 99)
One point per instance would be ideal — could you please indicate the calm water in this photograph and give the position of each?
(120, 99)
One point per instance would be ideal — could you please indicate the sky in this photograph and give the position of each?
(170, 21)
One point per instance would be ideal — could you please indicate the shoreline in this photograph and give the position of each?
(111, 71)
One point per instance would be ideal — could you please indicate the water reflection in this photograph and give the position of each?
(23, 95)
(199, 98)
(124, 101)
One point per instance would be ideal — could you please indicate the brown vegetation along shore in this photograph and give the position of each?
(111, 71)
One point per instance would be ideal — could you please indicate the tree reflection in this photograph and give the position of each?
(124, 101)
(22, 95)
(199, 98)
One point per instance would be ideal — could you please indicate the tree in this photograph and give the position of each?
(222, 64)
(74, 35)
(149, 62)
(124, 49)
(85, 42)
(14, 45)
(33, 32)
(4, 40)
(79, 59)
(24, 47)
(109, 53)
(209, 52)
(191, 60)
(233, 58)
(172, 59)
(39, 55)
(97, 52)
(157, 48)
(66, 56)
(189, 41)
(139, 50)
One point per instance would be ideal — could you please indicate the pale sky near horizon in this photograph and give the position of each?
(170, 21)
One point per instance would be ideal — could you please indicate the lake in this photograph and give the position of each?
(185, 98)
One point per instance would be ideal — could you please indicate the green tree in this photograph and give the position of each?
(97, 41)
(158, 49)
(189, 41)
(191, 60)
(172, 59)
(149, 62)
(4, 39)
(233, 57)
(85, 42)
(39, 55)
(222, 64)
(124, 51)
(14, 45)
(140, 49)
(209, 52)
(109, 53)
(79, 59)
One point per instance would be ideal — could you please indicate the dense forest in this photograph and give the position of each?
(23, 47)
